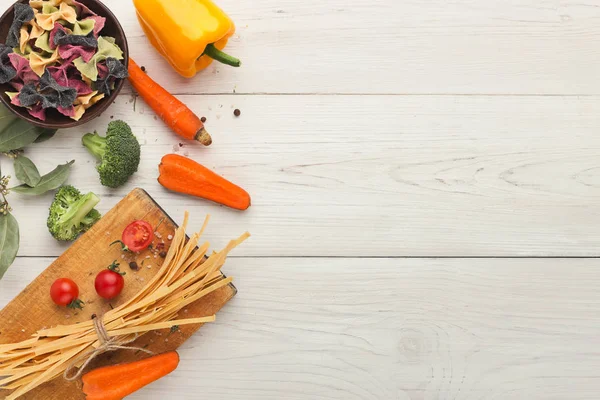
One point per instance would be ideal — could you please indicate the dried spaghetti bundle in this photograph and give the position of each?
(185, 277)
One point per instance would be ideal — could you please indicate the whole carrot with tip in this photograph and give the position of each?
(172, 111)
(183, 175)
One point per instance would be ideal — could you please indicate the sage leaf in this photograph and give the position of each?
(47, 134)
(26, 171)
(50, 181)
(17, 135)
(9, 241)
(6, 117)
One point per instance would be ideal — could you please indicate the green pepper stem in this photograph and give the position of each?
(221, 56)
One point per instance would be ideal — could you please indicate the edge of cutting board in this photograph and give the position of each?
(21, 317)
(231, 285)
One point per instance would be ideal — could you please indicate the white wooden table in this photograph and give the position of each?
(426, 200)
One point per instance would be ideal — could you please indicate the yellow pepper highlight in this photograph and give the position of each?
(189, 34)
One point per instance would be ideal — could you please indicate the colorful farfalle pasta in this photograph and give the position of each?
(55, 57)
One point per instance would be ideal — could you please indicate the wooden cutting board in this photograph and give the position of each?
(32, 309)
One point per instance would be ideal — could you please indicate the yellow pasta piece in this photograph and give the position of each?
(84, 102)
(38, 4)
(24, 39)
(65, 12)
(36, 30)
(38, 63)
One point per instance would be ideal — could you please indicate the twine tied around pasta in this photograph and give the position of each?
(106, 344)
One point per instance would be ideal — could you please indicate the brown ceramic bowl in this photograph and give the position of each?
(54, 119)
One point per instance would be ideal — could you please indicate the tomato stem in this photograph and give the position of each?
(76, 304)
(123, 246)
(114, 267)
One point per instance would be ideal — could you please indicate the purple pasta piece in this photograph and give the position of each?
(70, 53)
(24, 71)
(15, 100)
(67, 112)
(7, 71)
(17, 85)
(116, 70)
(102, 70)
(82, 88)
(38, 112)
(82, 10)
(23, 13)
(65, 96)
(63, 78)
(57, 28)
(99, 25)
(60, 69)
(58, 73)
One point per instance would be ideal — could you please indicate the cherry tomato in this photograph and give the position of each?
(64, 292)
(109, 283)
(138, 235)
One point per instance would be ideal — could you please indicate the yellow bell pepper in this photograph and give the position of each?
(190, 34)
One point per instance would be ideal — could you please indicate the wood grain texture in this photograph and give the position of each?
(380, 329)
(32, 309)
(390, 46)
(373, 176)
(348, 152)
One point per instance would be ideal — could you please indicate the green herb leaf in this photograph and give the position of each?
(17, 135)
(50, 181)
(26, 171)
(6, 117)
(9, 241)
(47, 134)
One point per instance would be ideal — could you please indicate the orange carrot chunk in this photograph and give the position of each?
(173, 112)
(117, 381)
(183, 175)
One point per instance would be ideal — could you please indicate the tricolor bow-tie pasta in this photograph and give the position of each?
(55, 57)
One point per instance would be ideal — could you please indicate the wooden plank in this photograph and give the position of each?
(33, 310)
(379, 329)
(423, 47)
(373, 176)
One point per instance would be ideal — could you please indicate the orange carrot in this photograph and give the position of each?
(177, 115)
(184, 175)
(117, 381)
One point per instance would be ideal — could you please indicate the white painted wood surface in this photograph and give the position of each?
(373, 136)
(374, 175)
(325, 328)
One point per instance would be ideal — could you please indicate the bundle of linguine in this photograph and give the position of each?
(185, 277)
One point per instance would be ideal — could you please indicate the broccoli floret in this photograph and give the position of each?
(72, 213)
(118, 152)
